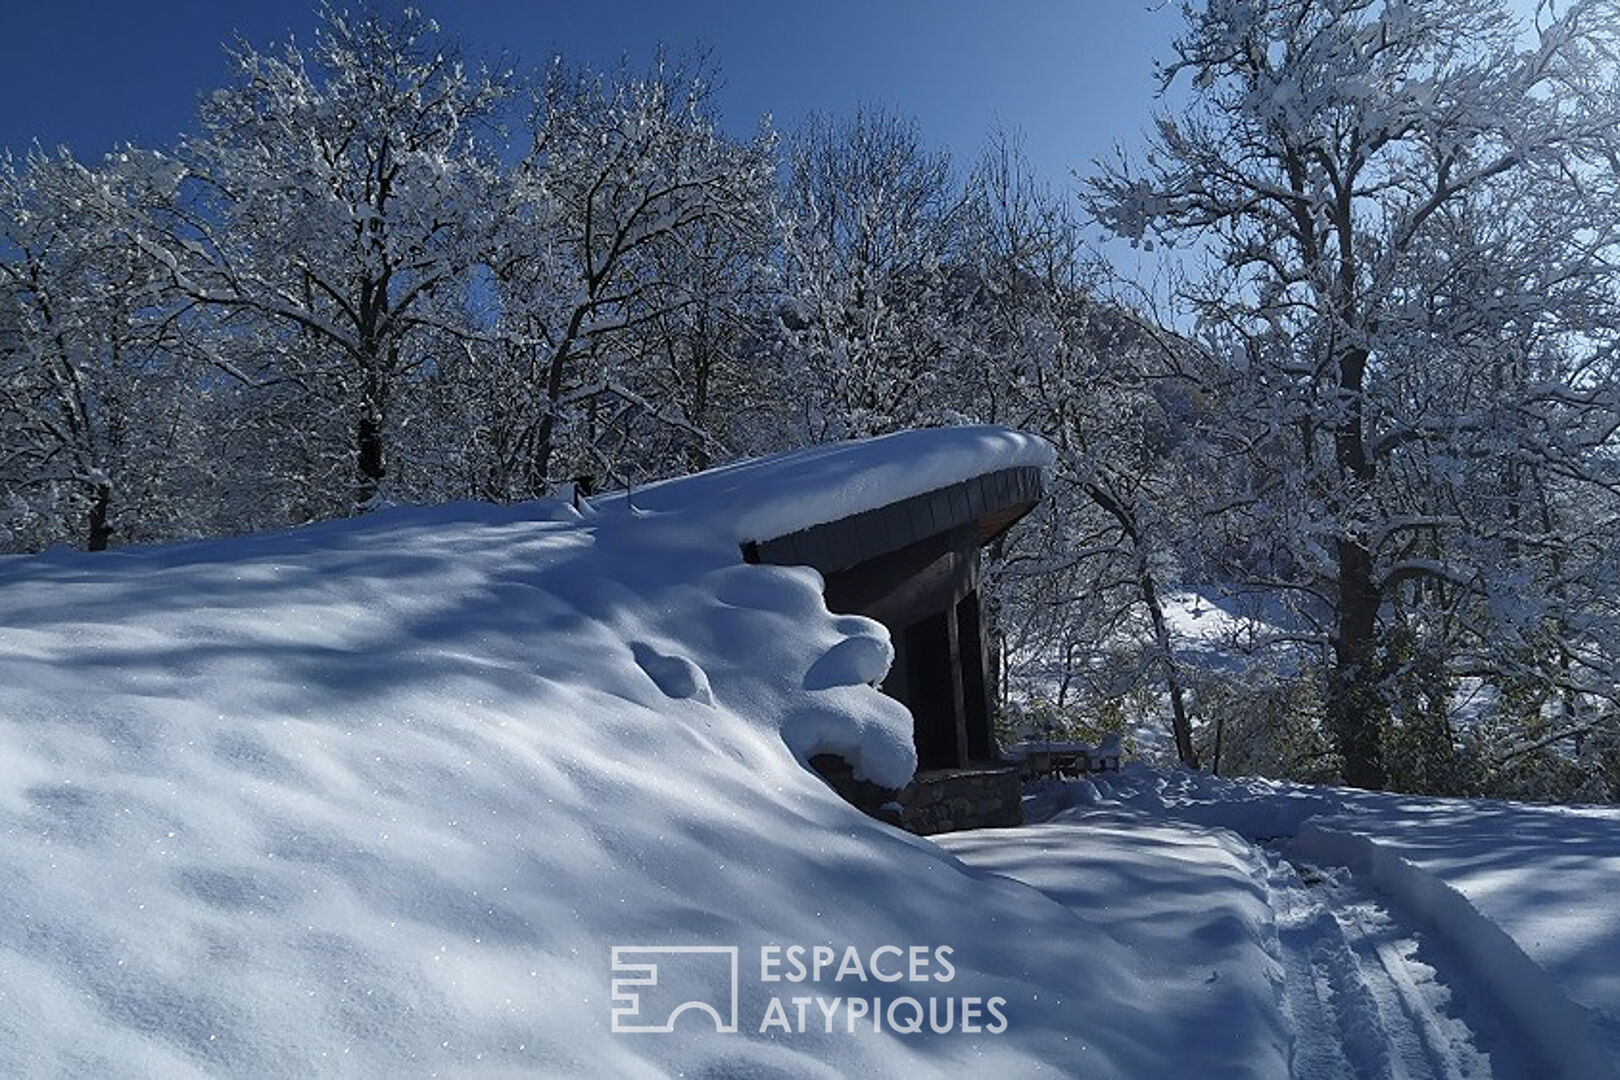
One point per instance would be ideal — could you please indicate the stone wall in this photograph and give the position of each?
(946, 801)
(934, 802)
(877, 801)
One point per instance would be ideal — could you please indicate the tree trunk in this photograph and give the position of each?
(370, 463)
(1180, 725)
(703, 362)
(1356, 713)
(1355, 706)
(378, 362)
(100, 533)
(1148, 591)
(545, 433)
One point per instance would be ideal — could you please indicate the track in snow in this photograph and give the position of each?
(1372, 999)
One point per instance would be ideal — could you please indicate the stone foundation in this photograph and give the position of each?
(943, 800)
(879, 802)
(946, 800)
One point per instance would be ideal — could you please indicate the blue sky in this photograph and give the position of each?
(1073, 76)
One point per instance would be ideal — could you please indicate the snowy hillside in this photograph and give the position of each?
(379, 797)
(383, 797)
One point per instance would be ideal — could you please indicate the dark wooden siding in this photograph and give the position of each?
(914, 566)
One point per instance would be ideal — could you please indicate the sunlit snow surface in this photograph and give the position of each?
(763, 498)
(379, 797)
(1526, 894)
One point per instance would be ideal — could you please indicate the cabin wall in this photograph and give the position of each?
(926, 594)
(913, 565)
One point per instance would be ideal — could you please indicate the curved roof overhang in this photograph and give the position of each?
(991, 503)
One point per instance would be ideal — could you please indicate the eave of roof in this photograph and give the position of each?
(991, 503)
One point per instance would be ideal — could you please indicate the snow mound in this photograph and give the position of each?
(672, 673)
(1187, 903)
(380, 797)
(861, 659)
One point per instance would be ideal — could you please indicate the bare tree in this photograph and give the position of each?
(338, 196)
(870, 220)
(1358, 172)
(627, 185)
(97, 417)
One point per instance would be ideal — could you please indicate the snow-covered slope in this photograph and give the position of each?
(380, 797)
(1520, 896)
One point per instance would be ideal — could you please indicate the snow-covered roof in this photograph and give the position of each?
(380, 797)
(765, 498)
(377, 797)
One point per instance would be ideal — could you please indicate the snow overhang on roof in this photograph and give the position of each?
(910, 484)
(990, 503)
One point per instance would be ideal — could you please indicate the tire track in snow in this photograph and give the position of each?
(1371, 999)
(1337, 1029)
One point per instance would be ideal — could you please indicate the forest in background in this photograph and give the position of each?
(1371, 409)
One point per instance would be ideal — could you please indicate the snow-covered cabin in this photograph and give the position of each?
(895, 526)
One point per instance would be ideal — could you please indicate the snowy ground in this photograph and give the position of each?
(382, 797)
(1405, 937)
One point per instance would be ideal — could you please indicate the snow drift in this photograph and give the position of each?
(1521, 893)
(379, 797)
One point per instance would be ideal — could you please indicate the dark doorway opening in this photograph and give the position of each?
(931, 691)
(975, 697)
